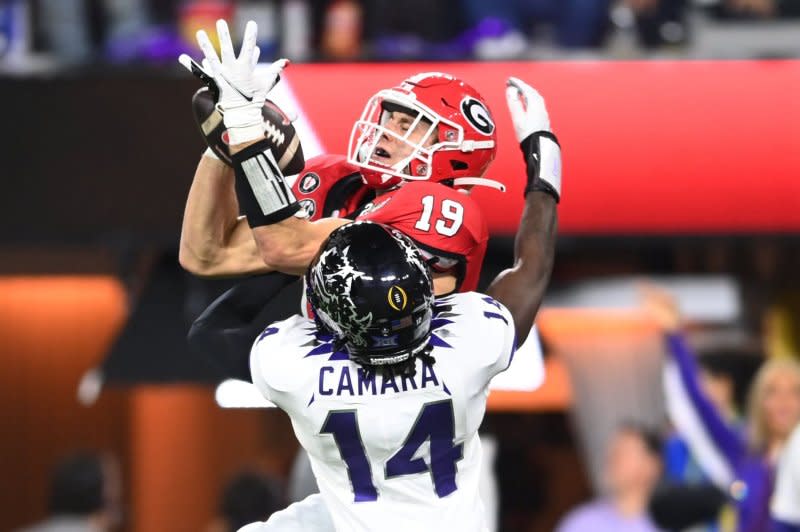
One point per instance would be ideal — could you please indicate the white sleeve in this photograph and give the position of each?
(260, 367)
(786, 498)
(500, 334)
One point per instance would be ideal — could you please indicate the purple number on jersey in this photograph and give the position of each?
(435, 422)
(343, 424)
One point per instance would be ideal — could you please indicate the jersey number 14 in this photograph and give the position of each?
(435, 423)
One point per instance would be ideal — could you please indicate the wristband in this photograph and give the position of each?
(264, 196)
(542, 154)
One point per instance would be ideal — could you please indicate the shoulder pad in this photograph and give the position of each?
(333, 164)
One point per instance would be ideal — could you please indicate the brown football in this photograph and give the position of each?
(278, 130)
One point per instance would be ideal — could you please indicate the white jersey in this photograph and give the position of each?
(397, 453)
(786, 498)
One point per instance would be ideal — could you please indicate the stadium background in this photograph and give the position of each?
(681, 163)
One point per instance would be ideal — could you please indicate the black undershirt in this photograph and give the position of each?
(224, 333)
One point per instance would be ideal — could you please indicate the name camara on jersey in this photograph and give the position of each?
(392, 452)
(340, 381)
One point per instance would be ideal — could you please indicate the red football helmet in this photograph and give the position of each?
(457, 146)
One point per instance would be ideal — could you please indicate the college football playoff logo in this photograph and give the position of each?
(477, 115)
(397, 298)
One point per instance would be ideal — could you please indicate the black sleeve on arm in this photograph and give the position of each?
(680, 506)
(224, 333)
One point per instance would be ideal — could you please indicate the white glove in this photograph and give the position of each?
(540, 147)
(272, 77)
(242, 93)
(526, 105)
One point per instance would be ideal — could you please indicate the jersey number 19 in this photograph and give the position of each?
(451, 216)
(435, 422)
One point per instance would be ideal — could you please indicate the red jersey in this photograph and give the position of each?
(443, 222)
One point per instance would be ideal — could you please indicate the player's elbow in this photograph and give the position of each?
(194, 255)
(188, 260)
(199, 265)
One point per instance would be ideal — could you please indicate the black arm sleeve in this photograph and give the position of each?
(224, 333)
(680, 506)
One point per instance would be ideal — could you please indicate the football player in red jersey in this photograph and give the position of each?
(432, 127)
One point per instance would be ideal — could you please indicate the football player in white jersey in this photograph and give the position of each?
(387, 389)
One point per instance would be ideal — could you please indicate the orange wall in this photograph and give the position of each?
(51, 331)
(175, 445)
(184, 447)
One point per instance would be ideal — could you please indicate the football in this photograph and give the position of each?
(278, 130)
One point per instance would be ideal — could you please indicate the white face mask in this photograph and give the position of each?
(413, 136)
(377, 134)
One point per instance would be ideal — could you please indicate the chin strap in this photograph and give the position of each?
(479, 181)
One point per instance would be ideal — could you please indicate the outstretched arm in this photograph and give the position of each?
(284, 241)
(521, 288)
(716, 445)
(215, 240)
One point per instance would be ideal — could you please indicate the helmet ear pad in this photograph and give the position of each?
(371, 288)
(449, 164)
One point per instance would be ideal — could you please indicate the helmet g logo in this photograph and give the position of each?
(397, 298)
(477, 115)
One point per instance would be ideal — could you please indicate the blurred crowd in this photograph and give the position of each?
(85, 495)
(145, 31)
(710, 460)
(705, 459)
